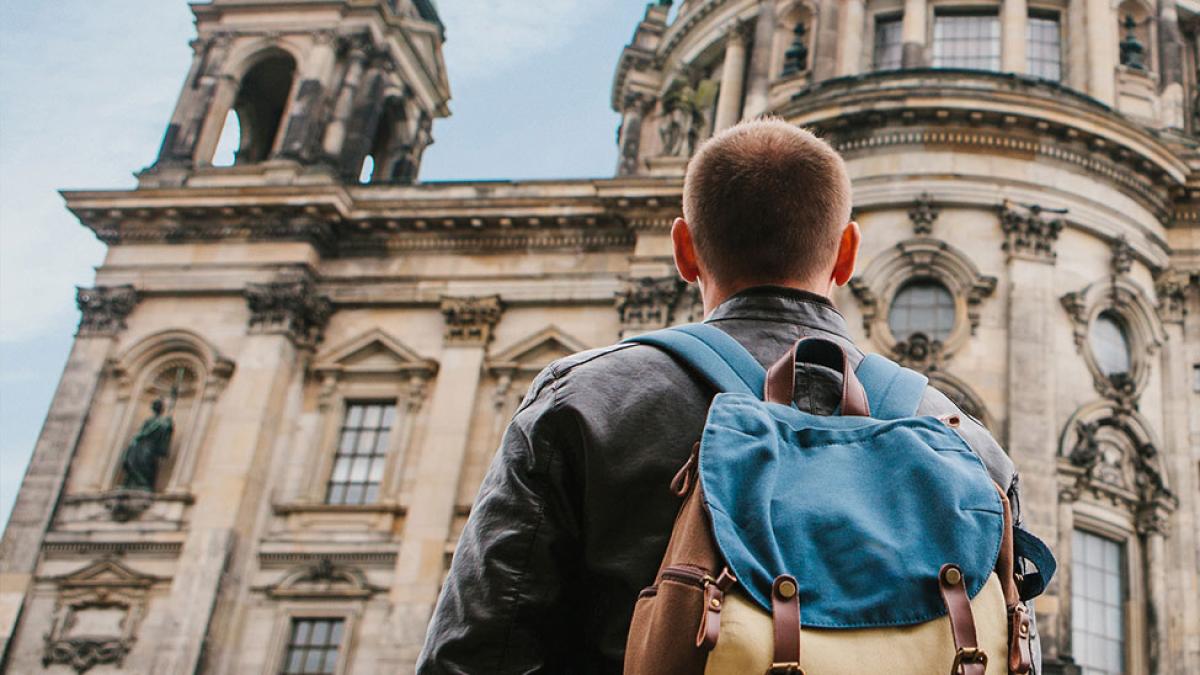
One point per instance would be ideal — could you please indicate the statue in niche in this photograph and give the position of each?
(684, 107)
(150, 445)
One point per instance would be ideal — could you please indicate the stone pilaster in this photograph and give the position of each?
(758, 89)
(1171, 65)
(1014, 17)
(912, 31)
(733, 74)
(1102, 52)
(195, 105)
(301, 132)
(850, 37)
(424, 541)
(292, 308)
(335, 132)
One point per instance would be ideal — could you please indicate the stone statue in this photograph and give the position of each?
(151, 443)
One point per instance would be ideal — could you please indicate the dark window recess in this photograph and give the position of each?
(361, 453)
(312, 647)
(889, 45)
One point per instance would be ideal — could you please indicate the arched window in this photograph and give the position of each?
(259, 109)
(1109, 341)
(922, 306)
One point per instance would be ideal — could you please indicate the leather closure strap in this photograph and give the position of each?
(785, 616)
(1020, 652)
(969, 659)
(714, 601)
(781, 376)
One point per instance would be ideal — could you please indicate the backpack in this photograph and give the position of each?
(873, 538)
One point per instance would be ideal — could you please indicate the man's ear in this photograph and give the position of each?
(685, 251)
(847, 255)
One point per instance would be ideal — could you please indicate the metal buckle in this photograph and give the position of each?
(785, 668)
(968, 655)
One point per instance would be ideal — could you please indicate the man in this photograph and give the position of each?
(573, 517)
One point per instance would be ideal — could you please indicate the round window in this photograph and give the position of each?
(922, 306)
(1110, 344)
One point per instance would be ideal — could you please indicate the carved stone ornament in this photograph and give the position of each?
(648, 303)
(292, 308)
(470, 320)
(1122, 256)
(1172, 288)
(96, 618)
(919, 353)
(104, 309)
(923, 214)
(127, 505)
(1029, 232)
(1121, 296)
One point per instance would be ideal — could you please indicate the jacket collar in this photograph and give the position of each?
(784, 305)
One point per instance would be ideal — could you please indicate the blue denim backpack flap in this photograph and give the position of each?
(863, 511)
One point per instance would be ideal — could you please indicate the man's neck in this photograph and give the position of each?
(714, 295)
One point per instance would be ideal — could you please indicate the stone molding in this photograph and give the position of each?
(923, 214)
(104, 309)
(470, 320)
(93, 549)
(292, 308)
(286, 559)
(322, 579)
(1173, 288)
(1027, 233)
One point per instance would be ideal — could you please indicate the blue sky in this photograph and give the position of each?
(87, 88)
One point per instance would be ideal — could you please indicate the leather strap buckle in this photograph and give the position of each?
(786, 668)
(968, 655)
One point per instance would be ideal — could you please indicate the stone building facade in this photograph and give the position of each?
(340, 346)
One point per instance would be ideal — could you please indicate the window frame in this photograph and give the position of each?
(386, 456)
(923, 280)
(1046, 13)
(878, 19)
(1124, 331)
(1123, 575)
(287, 612)
(938, 11)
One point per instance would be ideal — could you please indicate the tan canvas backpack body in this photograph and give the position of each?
(864, 542)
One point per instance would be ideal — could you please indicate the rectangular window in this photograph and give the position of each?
(1097, 604)
(1196, 379)
(361, 453)
(312, 647)
(966, 40)
(889, 46)
(1043, 50)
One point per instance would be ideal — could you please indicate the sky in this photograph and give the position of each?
(87, 89)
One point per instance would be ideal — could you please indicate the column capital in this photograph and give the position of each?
(470, 320)
(292, 308)
(104, 309)
(648, 303)
(1029, 232)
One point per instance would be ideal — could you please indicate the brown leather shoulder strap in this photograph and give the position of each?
(781, 378)
(968, 658)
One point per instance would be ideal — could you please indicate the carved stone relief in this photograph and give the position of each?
(104, 309)
(648, 303)
(470, 320)
(292, 308)
(1029, 232)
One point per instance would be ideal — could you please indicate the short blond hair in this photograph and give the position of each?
(766, 201)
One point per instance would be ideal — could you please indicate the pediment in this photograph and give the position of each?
(107, 573)
(374, 352)
(536, 351)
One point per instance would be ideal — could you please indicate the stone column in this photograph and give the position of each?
(196, 103)
(823, 47)
(850, 37)
(629, 143)
(224, 96)
(1014, 19)
(421, 563)
(1030, 239)
(1103, 50)
(335, 133)
(1171, 60)
(300, 132)
(912, 31)
(757, 95)
(103, 316)
(733, 75)
(286, 321)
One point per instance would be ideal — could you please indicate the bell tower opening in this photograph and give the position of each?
(261, 101)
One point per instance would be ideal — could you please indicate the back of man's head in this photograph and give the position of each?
(766, 202)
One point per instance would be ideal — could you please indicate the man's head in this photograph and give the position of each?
(766, 202)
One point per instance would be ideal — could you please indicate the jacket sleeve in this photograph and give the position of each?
(502, 607)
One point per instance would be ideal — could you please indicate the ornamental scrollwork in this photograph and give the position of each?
(648, 303)
(1029, 231)
(104, 309)
(470, 320)
(292, 308)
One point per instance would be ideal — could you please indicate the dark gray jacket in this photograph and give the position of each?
(574, 515)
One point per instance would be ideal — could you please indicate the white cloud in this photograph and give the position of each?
(486, 37)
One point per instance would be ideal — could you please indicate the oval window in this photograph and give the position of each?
(922, 306)
(1110, 344)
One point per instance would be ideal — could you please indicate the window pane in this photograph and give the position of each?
(1044, 47)
(362, 444)
(313, 648)
(966, 40)
(1110, 345)
(888, 44)
(1097, 612)
(922, 306)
